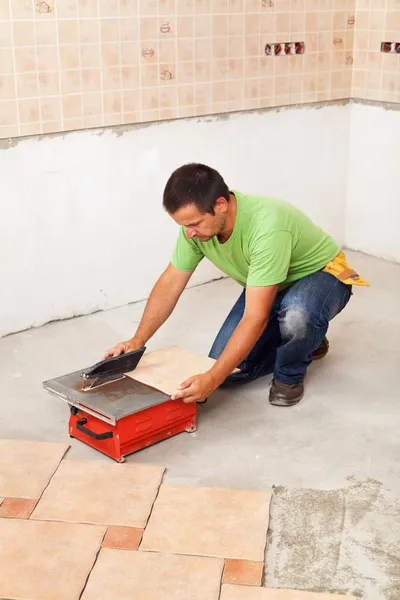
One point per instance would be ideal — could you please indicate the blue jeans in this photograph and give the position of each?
(297, 324)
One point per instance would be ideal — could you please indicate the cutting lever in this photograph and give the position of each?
(111, 369)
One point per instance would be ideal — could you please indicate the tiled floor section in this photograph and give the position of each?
(99, 493)
(144, 575)
(237, 592)
(46, 561)
(17, 508)
(26, 467)
(209, 522)
(243, 572)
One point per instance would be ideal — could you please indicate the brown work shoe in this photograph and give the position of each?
(285, 394)
(322, 350)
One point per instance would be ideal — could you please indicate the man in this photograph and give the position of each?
(294, 276)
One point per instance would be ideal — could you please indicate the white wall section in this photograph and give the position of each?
(373, 192)
(82, 226)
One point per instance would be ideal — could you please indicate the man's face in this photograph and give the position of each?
(202, 226)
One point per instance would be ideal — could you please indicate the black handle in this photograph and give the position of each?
(97, 436)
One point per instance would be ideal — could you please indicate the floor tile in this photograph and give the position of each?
(26, 467)
(237, 592)
(95, 492)
(143, 576)
(167, 368)
(46, 561)
(17, 508)
(209, 522)
(123, 538)
(243, 572)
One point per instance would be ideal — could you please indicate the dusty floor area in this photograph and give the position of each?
(347, 426)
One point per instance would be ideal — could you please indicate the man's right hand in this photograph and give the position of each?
(123, 348)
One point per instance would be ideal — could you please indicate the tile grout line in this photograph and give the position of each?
(268, 538)
(151, 510)
(94, 563)
(48, 483)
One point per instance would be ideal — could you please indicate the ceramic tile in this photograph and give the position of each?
(243, 572)
(233, 523)
(167, 368)
(237, 592)
(123, 538)
(95, 492)
(26, 467)
(55, 558)
(17, 508)
(142, 575)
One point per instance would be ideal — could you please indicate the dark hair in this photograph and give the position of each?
(197, 184)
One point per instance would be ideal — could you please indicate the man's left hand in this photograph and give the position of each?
(196, 388)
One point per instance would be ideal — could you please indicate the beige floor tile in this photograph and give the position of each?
(125, 574)
(238, 592)
(167, 368)
(46, 561)
(26, 467)
(95, 492)
(209, 522)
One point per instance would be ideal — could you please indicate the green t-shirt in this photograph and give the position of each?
(272, 242)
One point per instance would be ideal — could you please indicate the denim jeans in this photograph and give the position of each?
(297, 324)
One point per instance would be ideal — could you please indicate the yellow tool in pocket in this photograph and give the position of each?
(340, 268)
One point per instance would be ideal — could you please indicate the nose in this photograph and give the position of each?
(190, 232)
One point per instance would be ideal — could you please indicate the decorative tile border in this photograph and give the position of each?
(285, 48)
(390, 47)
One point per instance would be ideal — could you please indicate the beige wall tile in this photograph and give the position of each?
(29, 111)
(5, 34)
(6, 61)
(68, 32)
(91, 80)
(112, 102)
(46, 33)
(27, 85)
(92, 104)
(109, 30)
(131, 77)
(88, 31)
(24, 33)
(108, 8)
(71, 81)
(129, 29)
(50, 109)
(72, 106)
(22, 9)
(90, 56)
(130, 53)
(69, 57)
(67, 9)
(8, 113)
(131, 101)
(88, 8)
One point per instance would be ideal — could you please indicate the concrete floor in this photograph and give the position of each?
(347, 425)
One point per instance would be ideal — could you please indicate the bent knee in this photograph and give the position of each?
(294, 324)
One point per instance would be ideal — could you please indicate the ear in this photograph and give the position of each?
(221, 206)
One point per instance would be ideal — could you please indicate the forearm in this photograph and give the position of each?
(239, 346)
(160, 305)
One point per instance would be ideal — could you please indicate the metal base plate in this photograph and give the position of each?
(110, 402)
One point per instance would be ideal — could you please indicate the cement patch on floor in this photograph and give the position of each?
(342, 541)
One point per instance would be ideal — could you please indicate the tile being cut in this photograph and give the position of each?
(100, 493)
(239, 592)
(146, 575)
(27, 467)
(166, 369)
(208, 522)
(46, 561)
